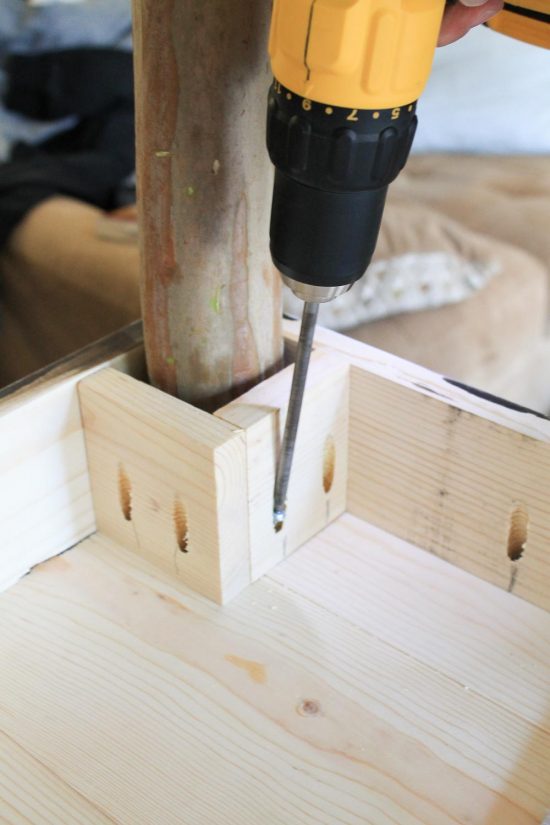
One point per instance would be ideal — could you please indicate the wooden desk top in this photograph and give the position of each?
(363, 682)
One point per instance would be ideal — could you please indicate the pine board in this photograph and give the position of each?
(317, 492)
(348, 686)
(168, 481)
(459, 485)
(46, 502)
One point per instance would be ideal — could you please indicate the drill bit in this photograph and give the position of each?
(284, 466)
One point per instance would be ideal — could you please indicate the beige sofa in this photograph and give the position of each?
(63, 286)
(498, 339)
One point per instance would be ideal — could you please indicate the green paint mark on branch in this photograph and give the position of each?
(170, 360)
(216, 300)
(190, 191)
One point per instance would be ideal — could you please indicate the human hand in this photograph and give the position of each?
(463, 16)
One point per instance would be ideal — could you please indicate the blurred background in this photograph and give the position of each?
(461, 278)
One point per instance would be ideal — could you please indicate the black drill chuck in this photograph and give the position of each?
(333, 169)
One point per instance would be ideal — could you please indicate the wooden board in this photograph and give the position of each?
(363, 682)
(458, 485)
(318, 484)
(424, 381)
(438, 465)
(168, 481)
(46, 503)
(456, 473)
(194, 493)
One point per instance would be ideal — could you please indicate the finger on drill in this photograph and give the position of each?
(463, 16)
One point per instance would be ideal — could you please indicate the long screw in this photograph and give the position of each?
(284, 466)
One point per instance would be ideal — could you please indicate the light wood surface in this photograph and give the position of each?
(426, 382)
(194, 492)
(454, 473)
(168, 481)
(45, 502)
(458, 474)
(455, 484)
(210, 295)
(318, 485)
(362, 682)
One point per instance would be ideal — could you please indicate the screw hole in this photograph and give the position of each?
(181, 525)
(125, 493)
(518, 532)
(329, 464)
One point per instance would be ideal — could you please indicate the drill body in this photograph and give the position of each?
(341, 122)
(527, 20)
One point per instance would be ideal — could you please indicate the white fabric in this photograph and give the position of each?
(487, 94)
(405, 283)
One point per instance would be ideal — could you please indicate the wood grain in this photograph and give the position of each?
(427, 383)
(169, 481)
(456, 484)
(45, 502)
(32, 792)
(210, 295)
(304, 701)
(456, 474)
(476, 634)
(318, 485)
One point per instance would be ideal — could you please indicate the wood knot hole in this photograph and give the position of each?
(125, 493)
(329, 464)
(309, 707)
(181, 525)
(518, 532)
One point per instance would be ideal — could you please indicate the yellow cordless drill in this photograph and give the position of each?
(341, 122)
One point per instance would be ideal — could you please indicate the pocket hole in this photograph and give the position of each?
(329, 464)
(518, 532)
(181, 525)
(125, 493)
